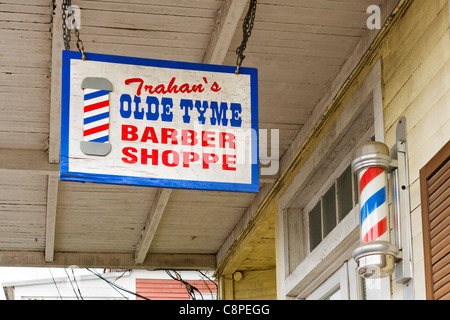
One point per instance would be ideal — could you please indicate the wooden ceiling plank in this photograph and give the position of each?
(227, 19)
(151, 225)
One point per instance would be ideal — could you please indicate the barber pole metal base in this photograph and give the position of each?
(376, 259)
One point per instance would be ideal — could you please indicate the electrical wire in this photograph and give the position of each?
(110, 284)
(117, 286)
(189, 288)
(76, 282)
(71, 284)
(57, 289)
(209, 279)
(123, 273)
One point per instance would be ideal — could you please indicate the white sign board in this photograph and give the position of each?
(159, 123)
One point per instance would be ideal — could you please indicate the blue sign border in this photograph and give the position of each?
(67, 175)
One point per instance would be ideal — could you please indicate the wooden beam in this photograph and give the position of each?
(108, 260)
(151, 225)
(50, 225)
(26, 161)
(55, 93)
(226, 21)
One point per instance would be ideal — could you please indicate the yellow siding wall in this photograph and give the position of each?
(416, 84)
(416, 78)
(256, 285)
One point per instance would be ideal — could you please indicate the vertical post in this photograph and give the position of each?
(55, 93)
(401, 211)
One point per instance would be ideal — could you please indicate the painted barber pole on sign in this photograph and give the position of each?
(159, 123)
(96, 116)
(374, 210)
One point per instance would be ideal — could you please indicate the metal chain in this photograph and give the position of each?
(66, 30)
(247, 28)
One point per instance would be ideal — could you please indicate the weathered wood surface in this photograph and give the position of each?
(299, 47)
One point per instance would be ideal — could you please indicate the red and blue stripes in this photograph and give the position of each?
(374, 208)
(96, 115)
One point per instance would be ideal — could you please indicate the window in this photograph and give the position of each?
(332, 207)
(346, 284)
(335, 287)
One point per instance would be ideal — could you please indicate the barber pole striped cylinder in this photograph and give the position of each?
(371, 163)
(375, 256)
(373, 203)
(96, 116)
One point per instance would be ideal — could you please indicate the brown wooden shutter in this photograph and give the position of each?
(435, 197)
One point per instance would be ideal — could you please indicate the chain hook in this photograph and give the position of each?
(247, 28)
(66, 30)
(80, 47)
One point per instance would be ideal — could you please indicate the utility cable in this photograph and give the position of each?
(117, 286)
(76, 282)
(109, 283)
(71, 284)
(189, 288)
(209, 279)
(57, 289)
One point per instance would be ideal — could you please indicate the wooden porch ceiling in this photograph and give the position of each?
(300, 48)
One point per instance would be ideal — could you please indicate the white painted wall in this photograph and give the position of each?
(41, 285)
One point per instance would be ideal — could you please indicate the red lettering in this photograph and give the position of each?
(129, 133)
(129, 158)
(189, 138)
(185, 88)
(207, 139)
(163, 89)
(171, 88)
(175, 158)
(198, 88)
(149, 134)
(189, 157)
(145, 156)
(209, 158)
(228, 159)
(171, 158)
(167, 133)
(226, 137)
(133, 80)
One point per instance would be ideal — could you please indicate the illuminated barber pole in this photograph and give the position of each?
(374, 209)
(96, 116)
(376, 255)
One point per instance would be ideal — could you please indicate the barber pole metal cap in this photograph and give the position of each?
(371, 154)
(96, 116)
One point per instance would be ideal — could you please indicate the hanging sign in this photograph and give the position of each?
(159, 123)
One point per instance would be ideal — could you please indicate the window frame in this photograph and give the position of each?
(333, 181)
(298, 271)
